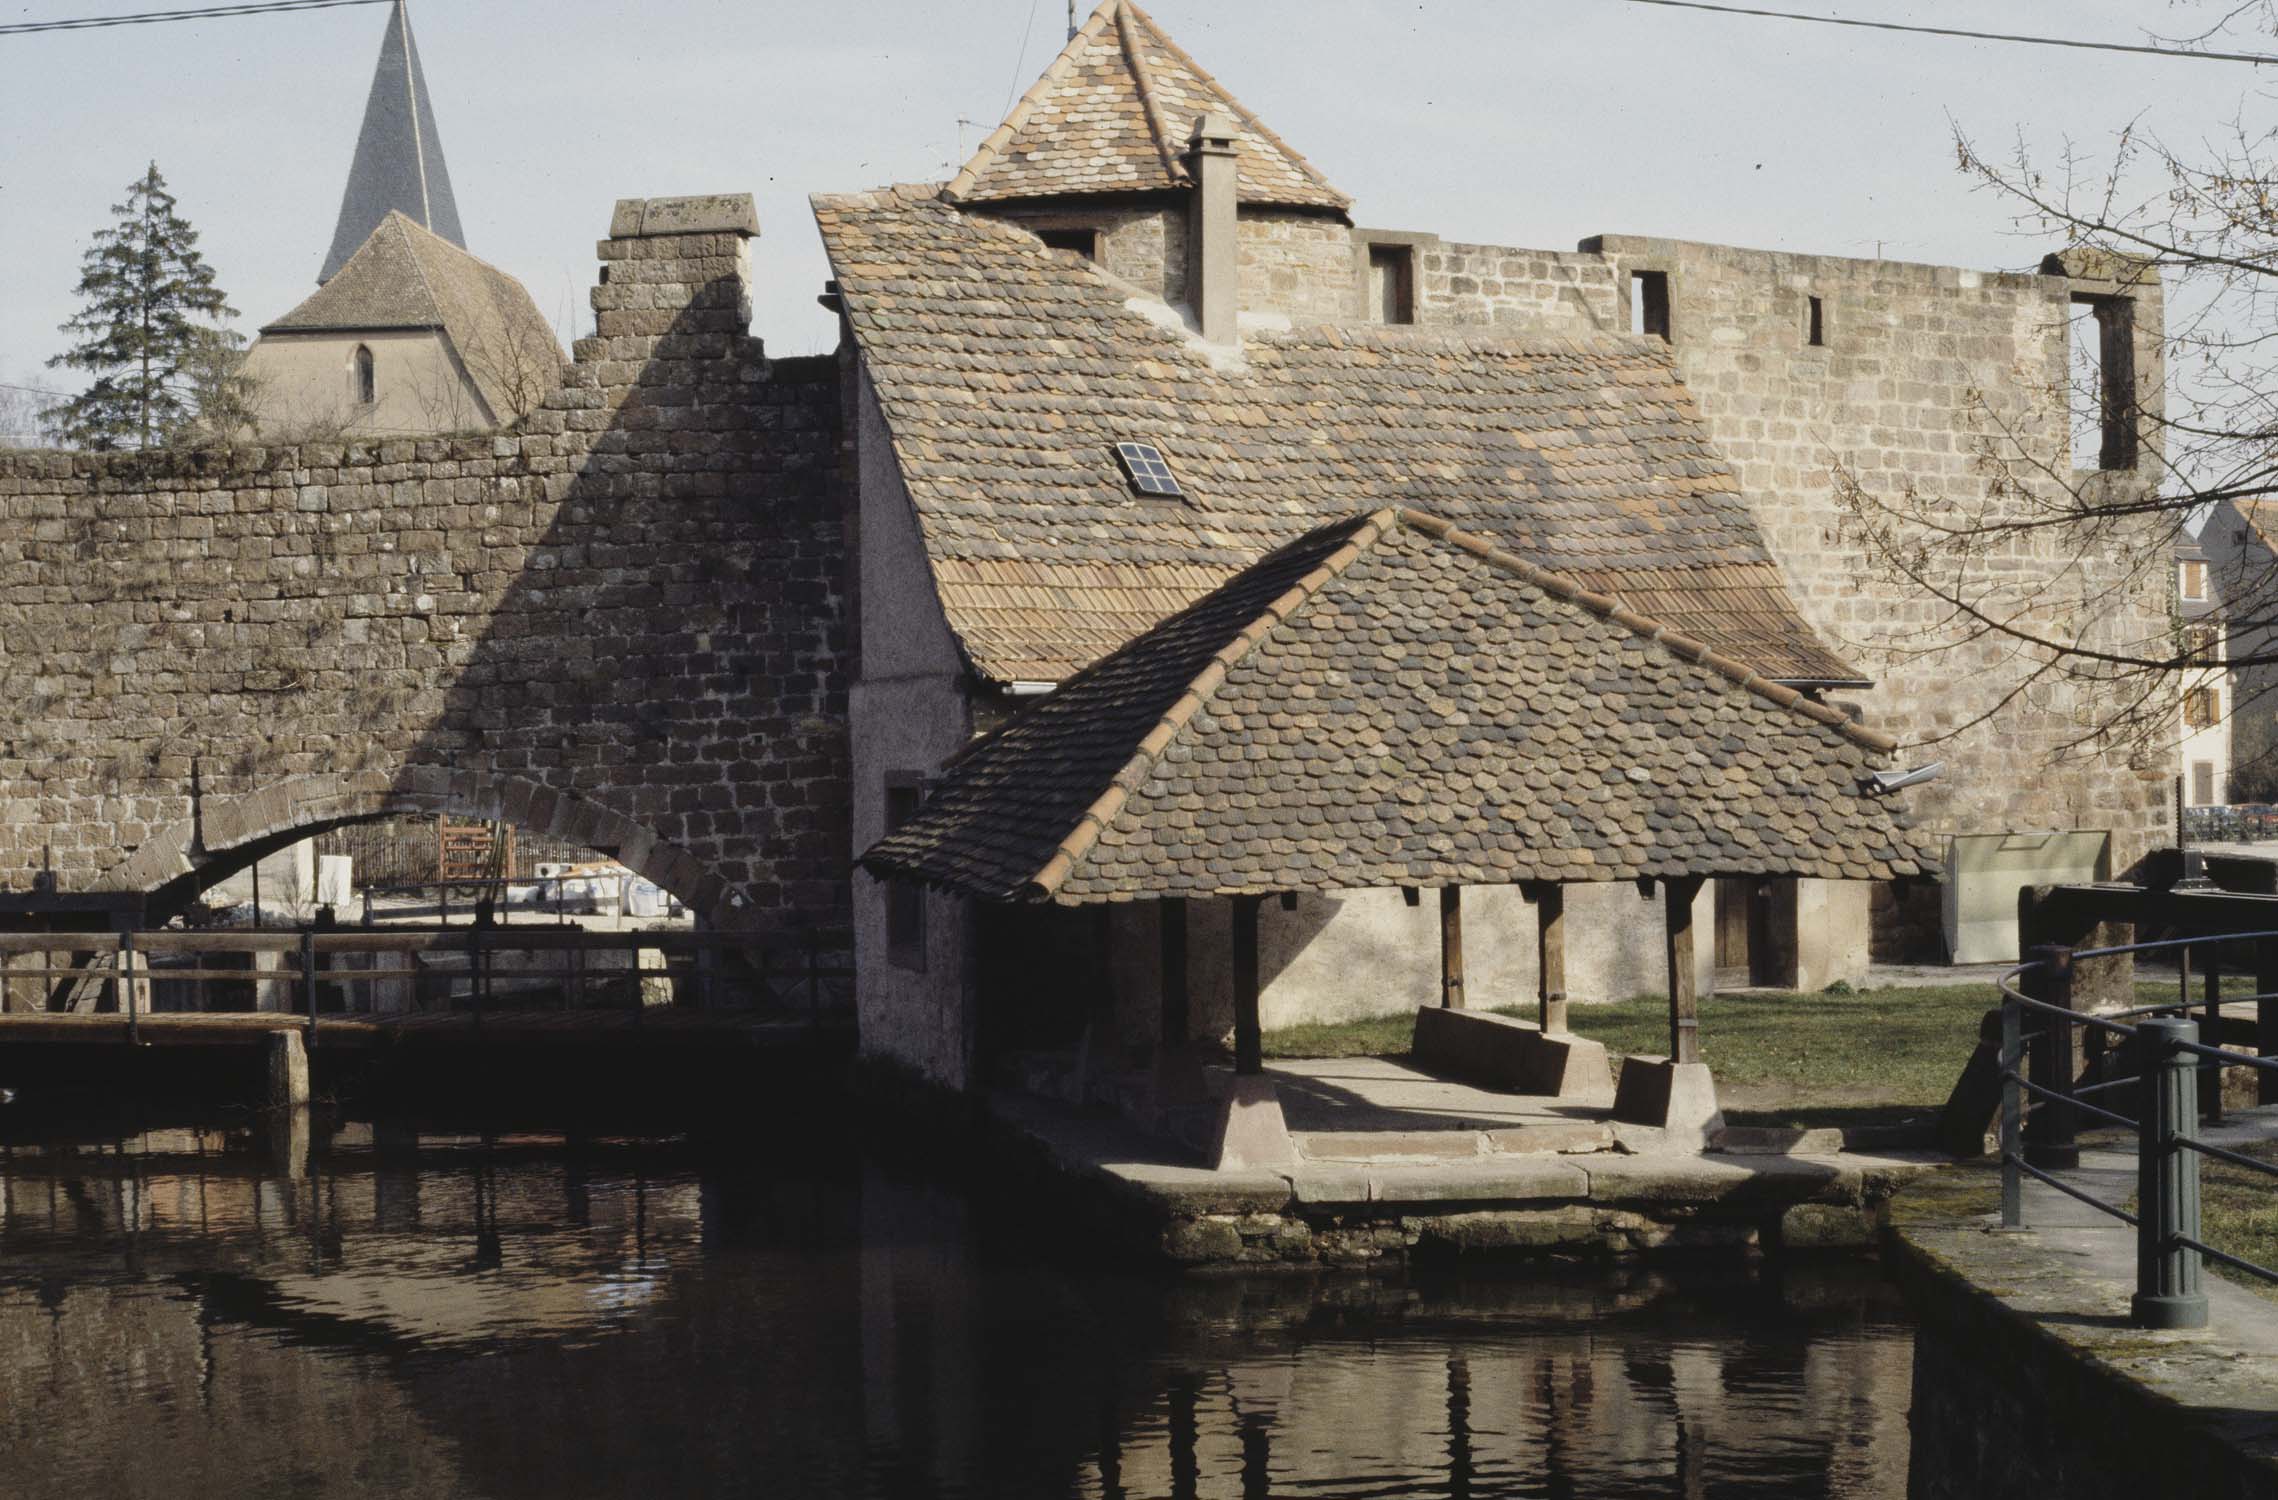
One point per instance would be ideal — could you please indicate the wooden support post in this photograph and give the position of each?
(2052, 1126)
(2266, 1018)
(130, 985)
(1249, 1040)
(1103, 990)
(1684, 998)
(1550, 954)
(287, 1055)
(1177, 1014)
(308, 980)
(1451, 947)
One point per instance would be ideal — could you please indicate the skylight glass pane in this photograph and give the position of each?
(1150, 475)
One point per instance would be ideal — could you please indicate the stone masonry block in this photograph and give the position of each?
(709, 213)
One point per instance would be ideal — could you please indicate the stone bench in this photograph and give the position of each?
(1504, 1052)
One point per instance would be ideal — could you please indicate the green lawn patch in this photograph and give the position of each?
(1841, 1057)
(2238, 1215)
(1824, 1059)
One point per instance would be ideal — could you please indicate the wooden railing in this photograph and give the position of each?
(367, 972)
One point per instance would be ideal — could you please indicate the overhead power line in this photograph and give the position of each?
(1956, 31)
(198, 13)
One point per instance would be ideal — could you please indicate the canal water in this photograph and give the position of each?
(191, 1315)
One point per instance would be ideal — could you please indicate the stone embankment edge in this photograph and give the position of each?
(2029, 1376)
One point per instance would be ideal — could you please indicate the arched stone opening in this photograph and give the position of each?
(229, 833)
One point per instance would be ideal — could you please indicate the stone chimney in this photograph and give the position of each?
(1213, 258)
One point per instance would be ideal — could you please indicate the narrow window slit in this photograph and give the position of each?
(1649, 304)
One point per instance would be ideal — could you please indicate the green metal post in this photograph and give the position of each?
(2168, 1289)
(2211, 1072)
(2012, 1115)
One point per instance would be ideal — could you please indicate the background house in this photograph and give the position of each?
(2239, 542)
(2204, 720)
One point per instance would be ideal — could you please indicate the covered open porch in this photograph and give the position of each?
(1389, 705)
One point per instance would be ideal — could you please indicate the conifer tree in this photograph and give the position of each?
(148, 300)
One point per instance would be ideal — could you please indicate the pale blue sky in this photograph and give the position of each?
(1527, 122)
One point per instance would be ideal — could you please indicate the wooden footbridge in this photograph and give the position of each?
(525, 990)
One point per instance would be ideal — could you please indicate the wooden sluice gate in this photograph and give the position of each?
(106, 1014)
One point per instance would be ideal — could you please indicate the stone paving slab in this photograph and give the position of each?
(1141, 1164)
(1369, 1094)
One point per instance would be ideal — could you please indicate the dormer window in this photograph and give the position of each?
(1149, 474)
(1083, 241)
(367, 378)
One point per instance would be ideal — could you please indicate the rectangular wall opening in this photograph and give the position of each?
(905, 899)
(2101, 345)
(1649, 303)
(1392, 283)
(1085, 242)
(1815, 323)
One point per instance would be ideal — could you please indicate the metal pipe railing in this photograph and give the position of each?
(2041, 1105)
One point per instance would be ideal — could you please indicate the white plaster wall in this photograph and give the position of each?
(909, 713)
(305, 383)
(1833, 928)
(1357, 954)
(2213, 743)
(288, 883)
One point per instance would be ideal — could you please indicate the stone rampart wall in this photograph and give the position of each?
(1945, 383)
(621, 624)
(1540, 290)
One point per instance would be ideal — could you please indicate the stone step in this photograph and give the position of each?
(1413, 1145)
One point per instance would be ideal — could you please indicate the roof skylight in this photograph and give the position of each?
(1150, 475)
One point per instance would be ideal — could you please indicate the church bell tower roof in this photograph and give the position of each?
(399, 155)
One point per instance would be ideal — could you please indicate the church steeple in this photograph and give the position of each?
(399, 155)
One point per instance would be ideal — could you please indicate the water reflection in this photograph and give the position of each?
(530, 1317)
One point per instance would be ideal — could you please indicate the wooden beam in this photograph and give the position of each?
(1249, 1040)
(1684, 998)
(1177, 1016)
(1550, 954)
(1451, 947)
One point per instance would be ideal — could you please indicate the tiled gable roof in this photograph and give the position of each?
(1391, 701)
(405, 277)
(1007, 372)
(1114, 113)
